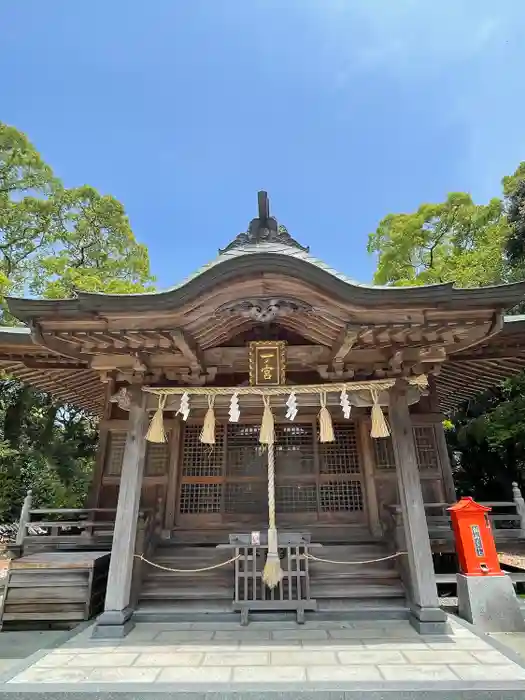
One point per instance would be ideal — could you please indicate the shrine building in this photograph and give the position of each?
(349, 383)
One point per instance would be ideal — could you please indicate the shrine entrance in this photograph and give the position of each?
(227, 483)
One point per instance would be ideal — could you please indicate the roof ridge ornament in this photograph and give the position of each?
(264, 229)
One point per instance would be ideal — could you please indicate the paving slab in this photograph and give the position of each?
(333, 661)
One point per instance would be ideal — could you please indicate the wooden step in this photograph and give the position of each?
(367, 590)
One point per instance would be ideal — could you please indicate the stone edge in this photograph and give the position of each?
(509, 653)
(377, 690)
(24, 664)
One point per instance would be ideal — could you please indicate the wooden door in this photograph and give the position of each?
(226, 484)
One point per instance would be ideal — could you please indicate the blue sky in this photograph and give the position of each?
(344, 110)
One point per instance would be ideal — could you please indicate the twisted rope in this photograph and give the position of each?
(354, 563)
(187, 571)
(377, 384)
(271, 486)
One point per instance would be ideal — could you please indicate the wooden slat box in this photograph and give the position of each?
(56, 586)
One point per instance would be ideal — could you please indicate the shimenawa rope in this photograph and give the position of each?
(187, 571)
(354, 563)
(230, 561)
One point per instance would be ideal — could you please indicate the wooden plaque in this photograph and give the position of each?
(267, 362)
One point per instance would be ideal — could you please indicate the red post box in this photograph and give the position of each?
(475, 544)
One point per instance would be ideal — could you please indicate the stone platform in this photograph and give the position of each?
(322, 660)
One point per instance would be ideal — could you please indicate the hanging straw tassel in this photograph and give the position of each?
(380, 427)
(326, 428)
(267, 434)
(272, 574)
(208, 427)
(156, 432)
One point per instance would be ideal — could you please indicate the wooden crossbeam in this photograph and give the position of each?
(189, 349)
(344, 343)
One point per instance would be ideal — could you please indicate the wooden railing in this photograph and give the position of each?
(507, 519)
(64, 527)
(149, 528)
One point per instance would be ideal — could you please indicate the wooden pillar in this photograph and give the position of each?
(444, 460)
(426, 615)
(115, 620)
(365, 442)
(173, 476)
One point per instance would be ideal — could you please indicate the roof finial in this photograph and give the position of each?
(264, 229)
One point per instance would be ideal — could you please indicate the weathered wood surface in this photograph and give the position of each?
(123, 549)
(419, 553)
(55, 586)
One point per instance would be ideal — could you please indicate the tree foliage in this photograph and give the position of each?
(468, 244)
(453, 241)
(54, 241)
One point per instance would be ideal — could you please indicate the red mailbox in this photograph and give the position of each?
(475, 544)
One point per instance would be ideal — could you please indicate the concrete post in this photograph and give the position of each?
(426, 615)
(520, 506)
(25, 517)
(115, 620)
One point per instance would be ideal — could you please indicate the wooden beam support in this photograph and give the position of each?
(426, 615)
(189, 349)
(344, 343)
(115, 620)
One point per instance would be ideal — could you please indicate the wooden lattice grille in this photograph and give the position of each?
(156, 459)
(426, 450)
(114, 452)
(229, 479)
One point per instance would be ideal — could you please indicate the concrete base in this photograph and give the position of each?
(429, 620)
(490, 603)
(113, 624)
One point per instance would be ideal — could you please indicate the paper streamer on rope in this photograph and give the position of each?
(208, 427)
(326, 428)
(267, 434)
(184, 408)
(345, 404)
(156, 432)
(234, 412)
(379, 425)
(291, 406)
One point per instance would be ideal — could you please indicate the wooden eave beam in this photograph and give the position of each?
(344, 343)
(189, 349)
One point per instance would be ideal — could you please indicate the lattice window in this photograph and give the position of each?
(426, 450)
(296, 498)
(114, 452)
(384, 453)
(294, 450)
(157, 455)
(245, 455)
(425, 439)
(337, 496)
(342, 455)
(200, 498)
(199, 459)
(246, 498)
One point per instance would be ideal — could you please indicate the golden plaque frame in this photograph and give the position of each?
(274, 363)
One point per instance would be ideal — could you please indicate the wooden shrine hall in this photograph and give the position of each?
(267, 406)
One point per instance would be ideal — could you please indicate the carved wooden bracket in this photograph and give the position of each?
(264, 309)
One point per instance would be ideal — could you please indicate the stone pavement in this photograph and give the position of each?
(366, 655)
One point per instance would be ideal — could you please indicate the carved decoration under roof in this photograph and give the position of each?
(264, 229)
(264, 309)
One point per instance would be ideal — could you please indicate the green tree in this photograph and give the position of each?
(468, 244)
(454, 241)
(54, 241)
